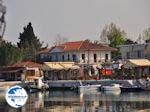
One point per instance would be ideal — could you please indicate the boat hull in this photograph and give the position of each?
(130, 89)
(113, 87)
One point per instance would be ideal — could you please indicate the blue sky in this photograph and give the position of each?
(75, 19)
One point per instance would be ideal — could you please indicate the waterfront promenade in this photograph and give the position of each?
(9, 83)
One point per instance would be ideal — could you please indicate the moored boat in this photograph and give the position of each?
(89, 88)
(130, 89)
(112, 87)
(37, 85)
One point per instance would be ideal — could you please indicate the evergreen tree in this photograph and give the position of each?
(29, 43)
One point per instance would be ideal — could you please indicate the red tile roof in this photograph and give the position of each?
(80, 45)
(27, 64)
(93, 46)
(85, 45)
(62, 47)
(45, 50)
(72, 46)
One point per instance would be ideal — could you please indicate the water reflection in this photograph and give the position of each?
(71, 101)
(35, 103)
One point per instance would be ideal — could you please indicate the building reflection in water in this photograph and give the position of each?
(71, 101)
(34, 103)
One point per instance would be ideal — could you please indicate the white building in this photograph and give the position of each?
(80, 51)
(135, 51)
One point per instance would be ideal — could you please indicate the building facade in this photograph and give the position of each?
(32, 70)
(135, 51)
(26, 70)
(83, 52)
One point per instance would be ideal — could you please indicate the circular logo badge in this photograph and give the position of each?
(16, 96)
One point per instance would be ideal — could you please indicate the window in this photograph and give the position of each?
(30, 72)
(138, 54)
(83, 57)
(128, 55)
(68, 57)
(106, 57)
(50, 58)
(146, 46)
(56, 58)
(42, 56)
(74, 58)
(63, 58)
(95, 58)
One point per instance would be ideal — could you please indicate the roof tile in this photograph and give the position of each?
(80, 45)
(26, 64)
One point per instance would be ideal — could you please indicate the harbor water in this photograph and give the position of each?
(73, 101)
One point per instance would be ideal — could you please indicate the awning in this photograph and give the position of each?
(75, 67)
(137, 63)
(61, 65)
(34, 77)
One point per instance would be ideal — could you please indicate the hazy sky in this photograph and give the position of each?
(75, 19)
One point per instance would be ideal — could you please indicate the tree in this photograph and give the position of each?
(59, 40)
(146, 35)
(115, 35)
(129, 41)
(29, 43)
(9, 53)
(140, 40)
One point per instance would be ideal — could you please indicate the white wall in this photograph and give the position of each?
(133, 49)
(100, 56)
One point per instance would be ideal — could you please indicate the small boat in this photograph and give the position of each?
(89, 88)
(144, 84)
(112, 87)
(37, 85)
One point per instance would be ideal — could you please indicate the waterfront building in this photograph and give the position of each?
(44, 55)
(62, 71)
(135, 51)
(26, 70)
(137, 67)
(11, 74)
(88, 55)
(31, 69)
(81, 52)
